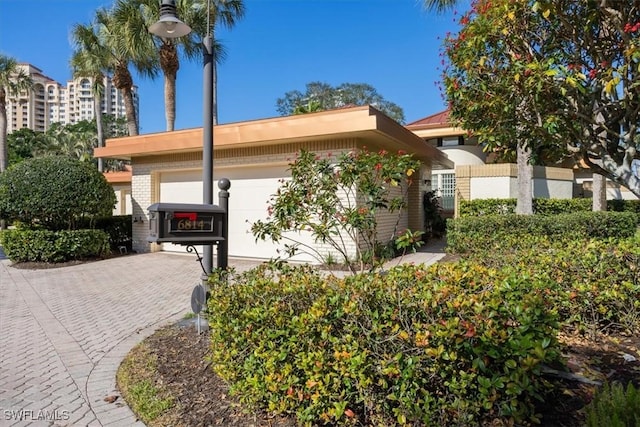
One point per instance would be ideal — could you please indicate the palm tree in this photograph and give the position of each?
(201, 17)
(225, 12)
(90, 59)
(13, 81)
(440, 5)
(125, 47)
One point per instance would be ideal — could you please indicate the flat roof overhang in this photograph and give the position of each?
(121, 177)
(437, 130)
(364, 123)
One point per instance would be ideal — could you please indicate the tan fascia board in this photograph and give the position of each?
(121, 177)
(438, 132)
(356, 122)
(412, 143)
(280, 130)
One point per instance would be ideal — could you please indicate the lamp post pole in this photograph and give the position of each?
(170, 27)
(207, 142)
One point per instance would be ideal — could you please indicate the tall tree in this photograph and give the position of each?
(126, 47)
(225, 13)
(323, 96)
(200, 18)
(576, 65)
(24, 144)
(90, 59)
(13, 81)
(491, 94)
(440, 5)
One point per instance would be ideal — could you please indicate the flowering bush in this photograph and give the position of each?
(337, 200)
(452, 344)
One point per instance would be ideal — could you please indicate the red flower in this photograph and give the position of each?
(593, 73)
(378, 166)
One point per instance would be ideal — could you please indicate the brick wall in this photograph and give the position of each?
(145, 186)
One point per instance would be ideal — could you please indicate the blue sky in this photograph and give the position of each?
(279, 46)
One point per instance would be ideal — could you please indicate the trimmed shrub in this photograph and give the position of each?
(53, 246)
(595, 284)
(541, 206)
(119, 229)
(472, 233)
(54, 193)
(620, 205)
(454, 344)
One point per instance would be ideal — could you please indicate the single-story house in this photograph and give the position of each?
(254, 155)
(479, 175)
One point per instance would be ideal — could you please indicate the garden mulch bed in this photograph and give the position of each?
(203, 398)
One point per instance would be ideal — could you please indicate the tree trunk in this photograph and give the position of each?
(4, 153)
(599, 193)
(170, 64)
(170, 101)
(99, 127)
(130, 109)
(524, 205)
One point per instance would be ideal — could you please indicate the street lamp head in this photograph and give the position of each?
(169, 26)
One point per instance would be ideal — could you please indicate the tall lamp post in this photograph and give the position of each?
(169, 26)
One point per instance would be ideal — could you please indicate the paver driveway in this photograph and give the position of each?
(65, 331)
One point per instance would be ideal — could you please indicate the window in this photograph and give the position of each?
(450, 141)
(445, 186)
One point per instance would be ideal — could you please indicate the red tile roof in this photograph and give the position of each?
(441, 118)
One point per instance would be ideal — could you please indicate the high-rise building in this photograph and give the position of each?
(50, 102)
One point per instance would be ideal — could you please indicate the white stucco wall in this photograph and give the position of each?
(552, 189)
(465, 154)
(493, 187)
(123, 199)
(507, 187)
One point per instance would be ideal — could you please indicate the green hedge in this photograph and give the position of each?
(119, 229)
(595, 284)
(466, 234)
(481, 207)
(23, 245)
(55, 193)
(455, 344)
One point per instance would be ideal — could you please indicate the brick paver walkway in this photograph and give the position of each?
(66, 330)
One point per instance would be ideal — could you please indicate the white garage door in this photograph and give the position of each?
(251, 188)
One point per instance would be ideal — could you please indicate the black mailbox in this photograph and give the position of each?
(186, 224)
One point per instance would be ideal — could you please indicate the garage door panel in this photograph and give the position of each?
(249, 195)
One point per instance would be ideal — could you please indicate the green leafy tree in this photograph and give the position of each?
(323, 96)
(54, 192)
(119, 48)
(201, 17)
(74, 140)
(90, 60)
(24, 144)
(555, 77)
(337, 200)
(13, 81)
